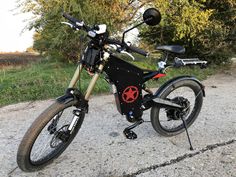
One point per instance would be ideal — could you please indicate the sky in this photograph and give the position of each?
(12, 36)
(11, 25)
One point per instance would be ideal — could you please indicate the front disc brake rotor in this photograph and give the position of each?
(60, 136)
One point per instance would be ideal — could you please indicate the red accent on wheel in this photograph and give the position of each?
(130, 94)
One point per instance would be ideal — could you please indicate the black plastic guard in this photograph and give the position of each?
(177, 79)
(128, 80)
(74, 94)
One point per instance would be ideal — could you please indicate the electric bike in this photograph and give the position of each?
(174, 106)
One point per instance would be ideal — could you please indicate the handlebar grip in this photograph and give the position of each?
(70, 18)
(137, 50)
(75, 21)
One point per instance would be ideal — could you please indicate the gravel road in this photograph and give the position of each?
(101, 150)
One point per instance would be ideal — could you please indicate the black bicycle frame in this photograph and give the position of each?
(129, 81)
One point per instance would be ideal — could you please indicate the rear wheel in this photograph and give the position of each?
(48, 136)
(186, 93)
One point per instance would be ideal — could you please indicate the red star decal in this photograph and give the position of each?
(130, 94)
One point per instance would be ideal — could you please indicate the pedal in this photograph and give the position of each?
(129, 134)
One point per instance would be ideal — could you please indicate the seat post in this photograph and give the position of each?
(166, 56)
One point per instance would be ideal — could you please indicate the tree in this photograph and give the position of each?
(196, 25)
(54, 38)
(225, 14)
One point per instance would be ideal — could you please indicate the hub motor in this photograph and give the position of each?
(176, 114)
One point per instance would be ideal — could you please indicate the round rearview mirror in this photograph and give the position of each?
(152, 16)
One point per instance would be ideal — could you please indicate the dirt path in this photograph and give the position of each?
(101, 150)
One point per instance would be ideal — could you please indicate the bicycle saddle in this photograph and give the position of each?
(172, 48)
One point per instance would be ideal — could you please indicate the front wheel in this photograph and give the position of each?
(187, 93)
(48, 136)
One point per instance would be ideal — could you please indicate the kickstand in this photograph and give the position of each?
(129, 134)
(185, 126)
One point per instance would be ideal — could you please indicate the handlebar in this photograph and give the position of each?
(70, 18)
(138, 50)
(128, 48)
(114, 41)
(77, 23)
(80, 24)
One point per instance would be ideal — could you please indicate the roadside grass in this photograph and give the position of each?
(49, 79)
(38, 81)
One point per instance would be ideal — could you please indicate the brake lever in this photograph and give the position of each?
(127, 53)
(121, 50)
(70, 25)
(67, 23)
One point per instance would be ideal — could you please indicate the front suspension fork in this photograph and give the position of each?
(92, 83)
(76, 76)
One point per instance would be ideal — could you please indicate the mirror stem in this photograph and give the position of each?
(123, 37)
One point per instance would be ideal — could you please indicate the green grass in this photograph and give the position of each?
(40, 81)
(49, 79)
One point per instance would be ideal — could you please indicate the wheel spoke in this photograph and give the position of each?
(42, 146)
(42, 150)
(48, 136)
